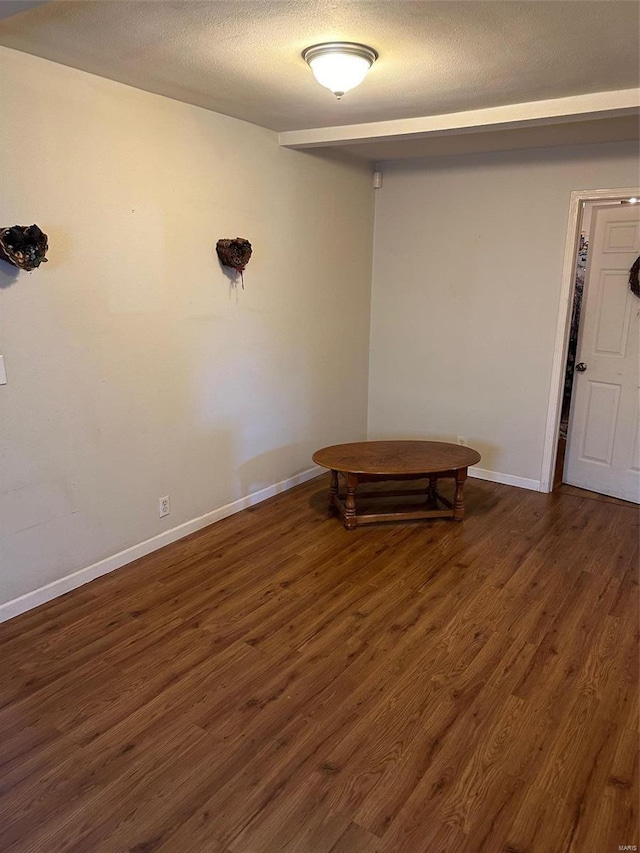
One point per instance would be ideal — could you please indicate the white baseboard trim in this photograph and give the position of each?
(116, 561)
(506, 479)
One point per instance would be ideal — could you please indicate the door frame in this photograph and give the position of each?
(578, 198)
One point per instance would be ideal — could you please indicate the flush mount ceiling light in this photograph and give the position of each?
(339, 65)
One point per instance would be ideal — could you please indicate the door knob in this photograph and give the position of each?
(581, 367)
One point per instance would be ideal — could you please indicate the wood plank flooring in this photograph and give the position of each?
(276, 683)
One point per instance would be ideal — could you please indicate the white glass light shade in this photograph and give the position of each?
(340, 66)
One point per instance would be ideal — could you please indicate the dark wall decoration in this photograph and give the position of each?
(24, 246)
(634, 279)
(235, 254)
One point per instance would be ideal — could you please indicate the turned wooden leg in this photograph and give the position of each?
(432, 494)
(350, 505)
(458, 501)
(333, 491)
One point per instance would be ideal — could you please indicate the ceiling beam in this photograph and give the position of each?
(596, 105)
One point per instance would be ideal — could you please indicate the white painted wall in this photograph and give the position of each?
(135, 369)
(468, 255)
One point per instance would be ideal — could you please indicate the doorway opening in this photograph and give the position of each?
(572, 345)
(582, 202)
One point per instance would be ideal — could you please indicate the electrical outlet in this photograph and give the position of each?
(164, 506)
(462, 439)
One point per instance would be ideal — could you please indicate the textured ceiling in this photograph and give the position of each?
(243, 58)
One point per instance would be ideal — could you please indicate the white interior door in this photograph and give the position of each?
(603, 443)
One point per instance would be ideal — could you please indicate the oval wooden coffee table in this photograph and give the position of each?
(371, 461)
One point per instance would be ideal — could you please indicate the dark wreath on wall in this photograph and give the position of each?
(634, 284)
(24, 246)
(235, 254)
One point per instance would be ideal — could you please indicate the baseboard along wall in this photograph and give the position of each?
(82, 576)
(59, 587)
(506, 479)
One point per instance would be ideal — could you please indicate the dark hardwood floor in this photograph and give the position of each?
(276, 683)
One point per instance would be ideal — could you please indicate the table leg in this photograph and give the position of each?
(432, 494)
(458, 501)
(333, 491)
(350, 505)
